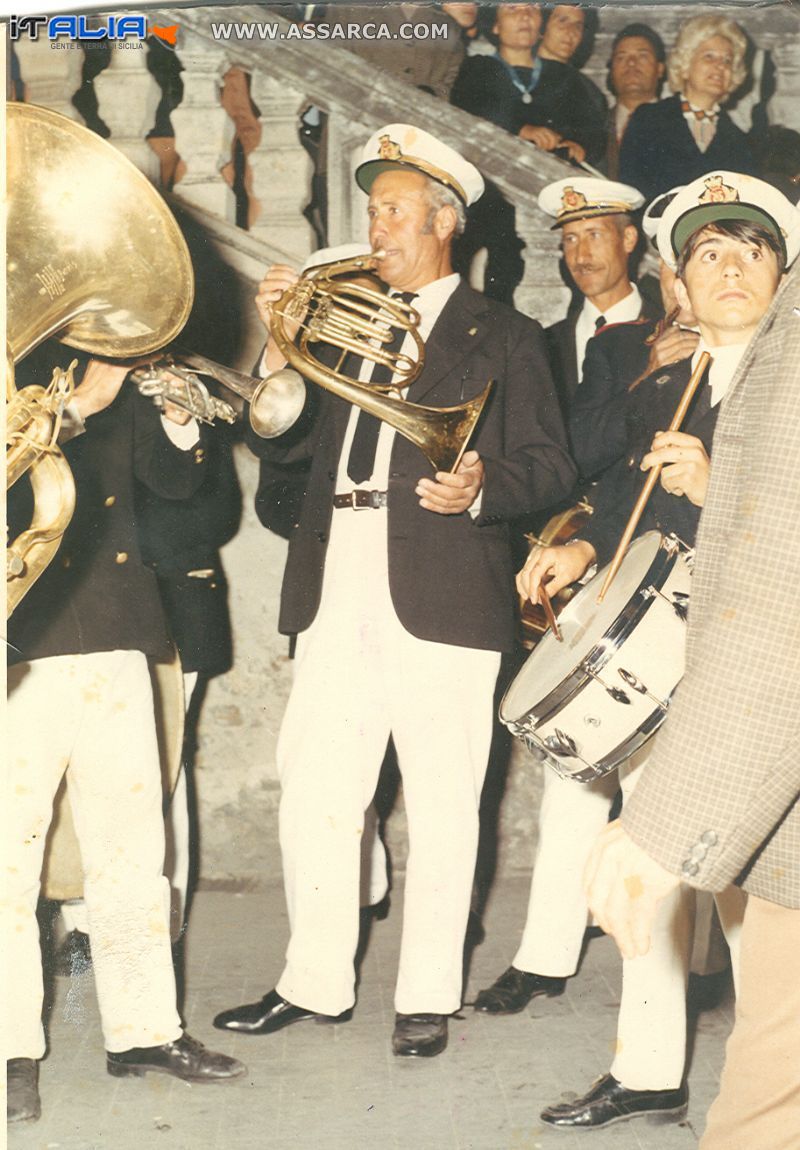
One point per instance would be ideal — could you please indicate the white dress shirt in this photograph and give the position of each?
(724, 362)
(430, 303)
(624, 311)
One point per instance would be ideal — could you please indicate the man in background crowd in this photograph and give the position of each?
(635, 75)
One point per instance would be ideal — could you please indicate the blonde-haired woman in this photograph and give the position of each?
(678, 139)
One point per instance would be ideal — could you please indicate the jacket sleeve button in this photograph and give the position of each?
(110, 501)
(122, 557)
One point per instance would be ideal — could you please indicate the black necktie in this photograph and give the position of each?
(599, 322)
(361, 461)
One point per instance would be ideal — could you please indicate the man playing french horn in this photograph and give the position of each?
(729, 253)
(399, 586)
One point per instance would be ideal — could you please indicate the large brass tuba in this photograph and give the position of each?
(95, 258)
(348, 314)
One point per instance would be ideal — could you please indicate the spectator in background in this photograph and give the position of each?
(563, 31)
(466, 16)
(430, 64)
(635, 74)
(539, 100)
(777, 152)
(568, 33)
(680, 139)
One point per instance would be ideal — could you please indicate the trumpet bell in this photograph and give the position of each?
(93, 254)
(277, 403)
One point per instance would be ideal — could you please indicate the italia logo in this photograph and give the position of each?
(79, 28)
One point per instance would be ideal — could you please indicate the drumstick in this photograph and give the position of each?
(544, 599)
(652, 478)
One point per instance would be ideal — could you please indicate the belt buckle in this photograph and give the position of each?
(361, 500)
(367, 500)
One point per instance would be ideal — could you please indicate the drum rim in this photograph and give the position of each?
(590, 773)
(665, 558)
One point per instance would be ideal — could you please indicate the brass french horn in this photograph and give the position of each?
(334, 309)
(95, 258)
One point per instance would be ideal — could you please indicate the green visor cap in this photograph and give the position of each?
(705, 214)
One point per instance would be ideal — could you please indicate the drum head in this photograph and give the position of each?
(583, 623)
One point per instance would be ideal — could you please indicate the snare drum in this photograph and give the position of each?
(586, 704)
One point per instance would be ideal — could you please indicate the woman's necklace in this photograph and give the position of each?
(524, 89)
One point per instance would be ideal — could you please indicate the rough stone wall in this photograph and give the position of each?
(235, 773)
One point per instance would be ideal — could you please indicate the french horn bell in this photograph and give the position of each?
(337, 310)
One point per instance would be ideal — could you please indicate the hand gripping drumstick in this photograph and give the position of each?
(544, 599)
(652, 478)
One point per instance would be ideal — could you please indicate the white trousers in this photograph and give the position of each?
(650, 1049)
(91, 716)
(359, 677)
(176, 860)
(374, 885)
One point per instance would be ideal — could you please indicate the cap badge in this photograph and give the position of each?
(572, 201)
(388, 149)
(718, 192)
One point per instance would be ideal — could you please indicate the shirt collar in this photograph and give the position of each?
(691, 112)
(623, 311)
(622, 114)
(724, 362)
(431, 299)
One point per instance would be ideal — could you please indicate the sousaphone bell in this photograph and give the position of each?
(95, 258)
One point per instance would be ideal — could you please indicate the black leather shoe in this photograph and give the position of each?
(419, 1035)
(514, 989)
(74, 955)
(184, 1058)
(271, 1013)
(23, 1103)
(609, 1101)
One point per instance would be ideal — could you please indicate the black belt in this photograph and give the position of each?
(360, 500)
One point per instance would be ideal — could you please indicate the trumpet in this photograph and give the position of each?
(175, 378)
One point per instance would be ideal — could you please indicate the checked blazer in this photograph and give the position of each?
(718, 800)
